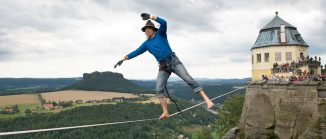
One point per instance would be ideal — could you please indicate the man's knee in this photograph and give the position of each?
(197, 89)
(189, 80)
(160, 93)
(160, 96)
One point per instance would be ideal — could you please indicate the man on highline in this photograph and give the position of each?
(157, 44)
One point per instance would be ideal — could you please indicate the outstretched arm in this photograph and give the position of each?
(162, 22)
(137, 52)
(133, 54)
(163, 25)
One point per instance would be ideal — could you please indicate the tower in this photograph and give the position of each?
(279, 43)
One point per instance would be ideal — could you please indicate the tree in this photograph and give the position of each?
(229, 114)
(205, 133)
(65, 103)
(15, 108)
(28, 112)
(41, 99)
(55, 103)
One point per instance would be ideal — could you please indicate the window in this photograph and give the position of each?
(282, 34)
(258, 58)
(278, 56)
(301, 56)
(298, 37)
(266, 57)
(288, 56)
(282, 28)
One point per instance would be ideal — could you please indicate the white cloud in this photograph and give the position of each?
(65, 38)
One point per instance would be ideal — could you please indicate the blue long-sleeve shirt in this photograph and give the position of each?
(158, 46)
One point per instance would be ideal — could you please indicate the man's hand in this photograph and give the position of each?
(145, 16)
(119, 63)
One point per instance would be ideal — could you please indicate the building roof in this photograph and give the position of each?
(270, 34)
(48, 105)
(277, 22)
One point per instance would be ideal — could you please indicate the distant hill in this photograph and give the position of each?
(150, 84)
(10, 86)
(212, 87)
(106, 81)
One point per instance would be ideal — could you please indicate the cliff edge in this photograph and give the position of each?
(284, 110)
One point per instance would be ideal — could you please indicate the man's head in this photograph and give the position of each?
(149, 29)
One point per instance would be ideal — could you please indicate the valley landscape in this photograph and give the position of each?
(68, 100)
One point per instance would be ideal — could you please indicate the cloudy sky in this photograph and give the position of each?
(66, 38)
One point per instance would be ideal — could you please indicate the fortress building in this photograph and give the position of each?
(290, 103)
(280, 43)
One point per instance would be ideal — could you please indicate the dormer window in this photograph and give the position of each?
(298, 37)
(282, 34)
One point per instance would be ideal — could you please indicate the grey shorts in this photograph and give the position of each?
(169, 65)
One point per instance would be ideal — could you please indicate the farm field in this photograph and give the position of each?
(68, 95)
(31, 101)
(18, 99)
(73, 95)
(153, 99)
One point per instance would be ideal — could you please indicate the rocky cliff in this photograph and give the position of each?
(106, 81)
(284, 110)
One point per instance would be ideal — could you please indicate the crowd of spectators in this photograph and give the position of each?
(294, 66)
(294, 78)
(297, 73)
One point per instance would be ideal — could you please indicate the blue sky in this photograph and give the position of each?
(66, 38)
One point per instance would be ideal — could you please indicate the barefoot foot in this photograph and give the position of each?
(164, 115)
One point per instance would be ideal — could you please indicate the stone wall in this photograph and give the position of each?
(284, 110)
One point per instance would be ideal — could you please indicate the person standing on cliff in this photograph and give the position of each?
(157, 44)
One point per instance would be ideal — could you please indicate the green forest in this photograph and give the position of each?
(196, 123)
(169, 128)
(173, 127)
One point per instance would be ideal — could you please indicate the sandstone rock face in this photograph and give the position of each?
(284, 110)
